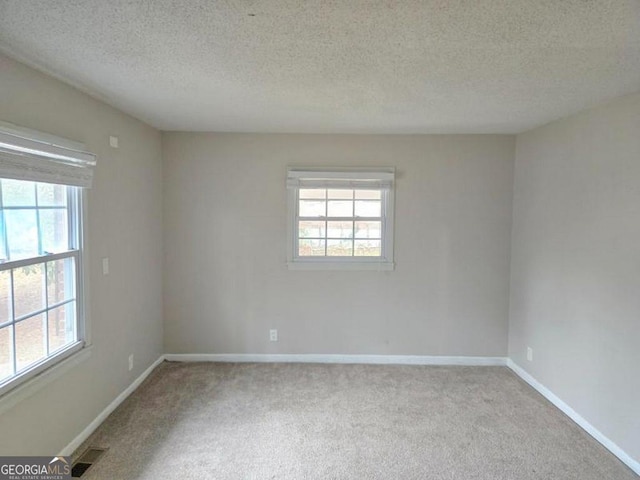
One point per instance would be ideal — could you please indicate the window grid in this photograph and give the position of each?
(353, 219)
(49, 264)
(10, 303)
(324, 234)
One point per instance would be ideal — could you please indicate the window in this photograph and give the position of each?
(41, 304)
(340, 219)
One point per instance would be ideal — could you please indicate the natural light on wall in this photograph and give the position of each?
(340, 219)
(41, 304)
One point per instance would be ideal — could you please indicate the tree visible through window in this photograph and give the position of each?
(39, 257)
(42, 180)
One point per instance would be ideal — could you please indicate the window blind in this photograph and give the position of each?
(374, 180)
(23, 158)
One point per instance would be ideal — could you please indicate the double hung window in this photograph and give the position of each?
(41, 302)
(340, 219)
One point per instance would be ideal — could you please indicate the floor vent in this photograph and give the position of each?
(86, 461)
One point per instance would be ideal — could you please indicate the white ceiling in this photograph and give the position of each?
(362, 66)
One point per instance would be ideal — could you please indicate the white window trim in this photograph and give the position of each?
(36, 377)
(68, 359)
(383, 178)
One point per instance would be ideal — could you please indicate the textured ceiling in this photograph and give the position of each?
(363, 66)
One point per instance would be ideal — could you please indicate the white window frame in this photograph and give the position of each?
(382, 179)
(38, 157)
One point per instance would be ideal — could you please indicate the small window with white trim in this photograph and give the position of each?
(41, 283)
(340, 219)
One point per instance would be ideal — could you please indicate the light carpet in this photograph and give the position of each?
(316, 421)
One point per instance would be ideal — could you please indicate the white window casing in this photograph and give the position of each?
(31, 156)
(340, 251)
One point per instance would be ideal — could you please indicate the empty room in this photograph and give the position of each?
(291, 239)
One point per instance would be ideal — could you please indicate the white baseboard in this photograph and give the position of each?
(76, 442)
(335, 358)
(576, 417)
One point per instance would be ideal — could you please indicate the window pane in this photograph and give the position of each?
(35, 220)
(339, 248)
(308, 229)
(340, 208)
(50, 195)
(368, 208)
(312, 208)
(6, 349)
(310, 248)
(4, 255)
(18, 193)
(28, 287)
(312, 193)
(61, 279)
(5, 296)
(22, 233)
(30, 341)
(368, 194)
(54, 228)
(340, 194)
(62, 326)
(368, 248)
(369, 229)
(340, 229)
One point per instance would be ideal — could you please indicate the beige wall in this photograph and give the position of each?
(575, 291)
(125, 224)
(227, 283)
(575, 246)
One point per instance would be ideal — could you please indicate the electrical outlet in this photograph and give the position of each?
(273, 335)
(530, 354)
(131, 362)
(113, 141)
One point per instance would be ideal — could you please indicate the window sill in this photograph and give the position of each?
(323, 265)
(32, 385)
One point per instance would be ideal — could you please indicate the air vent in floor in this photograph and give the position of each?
(86, 461)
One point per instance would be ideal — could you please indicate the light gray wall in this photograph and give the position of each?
(227, 283)
(125, 223)
(575, 291)
(575, 249)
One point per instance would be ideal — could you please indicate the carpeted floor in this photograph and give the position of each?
(308, 421)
